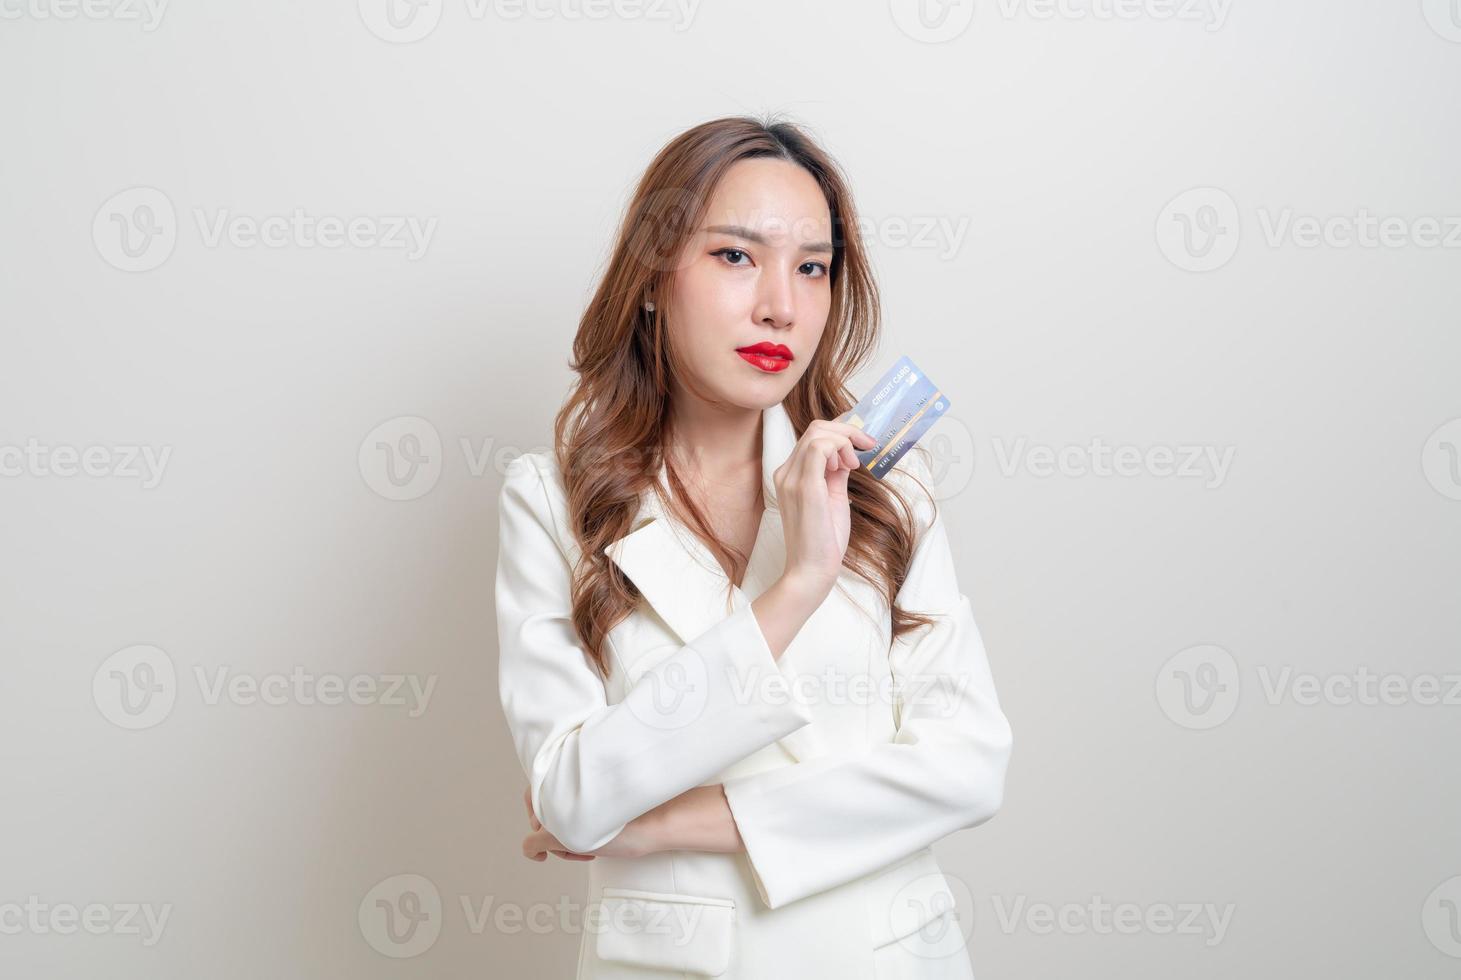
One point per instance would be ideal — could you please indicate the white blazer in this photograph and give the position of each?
(843, 761)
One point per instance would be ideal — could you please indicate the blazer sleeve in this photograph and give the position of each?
(816, 824)
(593, 766)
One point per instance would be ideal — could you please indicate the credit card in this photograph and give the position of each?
(897, 412)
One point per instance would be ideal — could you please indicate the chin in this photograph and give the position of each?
(770, 391)
(756, 398)
(751, 389)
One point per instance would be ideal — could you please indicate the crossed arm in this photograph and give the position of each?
(607, 785)
(699, 819)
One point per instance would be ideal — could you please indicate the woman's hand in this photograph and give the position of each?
(531, 843)
(811, 493)
(635, 840)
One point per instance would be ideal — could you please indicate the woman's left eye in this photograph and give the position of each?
(816, 265)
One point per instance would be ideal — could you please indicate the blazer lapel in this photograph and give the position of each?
(682, 582)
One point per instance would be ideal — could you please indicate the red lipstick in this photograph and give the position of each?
(767, 356)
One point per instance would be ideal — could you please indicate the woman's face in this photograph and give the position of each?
(756, 271)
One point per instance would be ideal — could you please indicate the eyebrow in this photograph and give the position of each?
(746, 233)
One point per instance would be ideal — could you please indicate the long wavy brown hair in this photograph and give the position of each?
(611, 435)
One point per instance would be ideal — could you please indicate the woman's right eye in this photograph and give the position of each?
(728, 252)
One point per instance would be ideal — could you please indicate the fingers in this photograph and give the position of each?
(823, 449)
(539, 844)
(819, 460)
(859, 437)
(828, 454)
(840, 442)
(536, 846)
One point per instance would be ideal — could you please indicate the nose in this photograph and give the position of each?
(775, 303)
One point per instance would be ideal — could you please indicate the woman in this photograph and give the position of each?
(737, 669)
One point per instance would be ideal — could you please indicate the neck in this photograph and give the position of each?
(716, 442)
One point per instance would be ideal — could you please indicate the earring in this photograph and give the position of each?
(649, 307)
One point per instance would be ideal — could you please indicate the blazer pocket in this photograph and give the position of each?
(906, 897)
(667, 931)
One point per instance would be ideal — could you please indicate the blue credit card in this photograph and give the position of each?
(897, 412)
